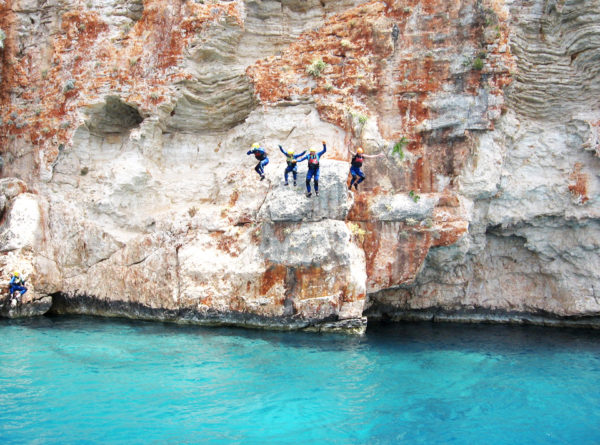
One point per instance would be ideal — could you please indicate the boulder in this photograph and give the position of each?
(291, 203)
(29, 305)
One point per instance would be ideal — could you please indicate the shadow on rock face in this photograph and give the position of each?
(113, 116)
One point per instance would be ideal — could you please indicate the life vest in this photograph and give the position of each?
(291, 161)
(357, 160)
(313, 161)
(260, 154)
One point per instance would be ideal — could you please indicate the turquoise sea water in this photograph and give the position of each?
(85, 380)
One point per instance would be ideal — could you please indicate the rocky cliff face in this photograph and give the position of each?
(127, 126)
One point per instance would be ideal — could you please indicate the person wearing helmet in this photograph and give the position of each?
(313, 168)
(356, 165)
(16, 284)
(292, 163)
(261, 156)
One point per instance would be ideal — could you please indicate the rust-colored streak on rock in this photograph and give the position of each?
(315, 282)
(448, 200)
(448, 233)
(360, 211)
(419, 183)
(579, 185)
(234, 197)
(309, 282)
(227, 243)
(8, 66)
(394, 254)
(275, 274)
(81, 28)
(449, 224)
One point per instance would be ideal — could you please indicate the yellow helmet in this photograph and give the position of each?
(360, 150)
(290, 152)
(16, 274)
(312, 150)
(256, 145)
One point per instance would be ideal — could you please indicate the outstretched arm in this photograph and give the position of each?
(303, 158)
(250, 152)
(300, 155)
(282, 150)
(324, 149)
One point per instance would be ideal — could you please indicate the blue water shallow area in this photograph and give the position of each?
(85, 380)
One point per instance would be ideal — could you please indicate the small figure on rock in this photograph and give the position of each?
(261, 156)
(16, 284)
(292, 163)
(313, 168)
(355, 166)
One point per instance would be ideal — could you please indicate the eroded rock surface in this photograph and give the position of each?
(26, 306)
(127, 126)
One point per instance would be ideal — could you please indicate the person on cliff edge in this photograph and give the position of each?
(261, 156)
(313, 168)
(16, 284)
(356, 167)
(292, 163)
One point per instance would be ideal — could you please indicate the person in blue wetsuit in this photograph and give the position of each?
(292, 163)
(16, 284)
(356, 165)
(261, 156)
(313, 168)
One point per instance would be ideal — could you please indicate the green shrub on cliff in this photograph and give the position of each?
(399, 147)
(316, 67)
(414, 196)
(361, 118)
(2, 37)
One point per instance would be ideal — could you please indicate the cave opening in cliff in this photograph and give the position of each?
(112, 116)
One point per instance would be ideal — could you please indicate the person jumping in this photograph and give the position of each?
(292, 163)
(261, 156)
(355, 167)
(313, 168)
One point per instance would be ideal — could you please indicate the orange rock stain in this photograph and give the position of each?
(40, 104)
(579, 185)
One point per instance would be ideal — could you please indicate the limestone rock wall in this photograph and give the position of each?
(127, 124)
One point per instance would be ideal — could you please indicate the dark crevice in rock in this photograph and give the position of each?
(290, 291)
(114, 116)
(382, 312)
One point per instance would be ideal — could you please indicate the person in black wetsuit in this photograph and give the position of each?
(356, 167)
(261, 156)
(313, 168)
